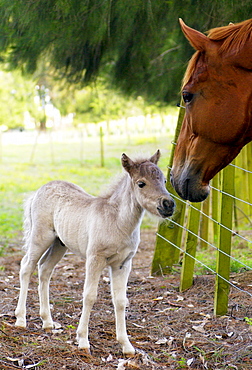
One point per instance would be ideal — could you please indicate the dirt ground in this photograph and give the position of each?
(169, 329)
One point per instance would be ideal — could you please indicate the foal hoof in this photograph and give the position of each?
(129, 351)
(83, 346)
(20, 323)
(85, 351)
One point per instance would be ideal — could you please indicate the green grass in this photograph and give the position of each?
(78, 162)
(71, 161)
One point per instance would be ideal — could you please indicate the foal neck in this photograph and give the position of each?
(123, 198)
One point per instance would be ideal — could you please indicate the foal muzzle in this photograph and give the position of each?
(166, 207)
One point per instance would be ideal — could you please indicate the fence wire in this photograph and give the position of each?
(218, 223)
(207, 267)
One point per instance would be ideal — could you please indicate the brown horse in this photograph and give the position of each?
(217, 91)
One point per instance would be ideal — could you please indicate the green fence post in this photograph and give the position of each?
(165, 254)
(249, 167)
(204, 224)
(224, 243)
(215, 206)
(186, 279)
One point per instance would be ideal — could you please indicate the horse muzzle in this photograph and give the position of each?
(189, 186)
(166, 207)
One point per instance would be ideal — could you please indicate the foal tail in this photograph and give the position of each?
(27, 225)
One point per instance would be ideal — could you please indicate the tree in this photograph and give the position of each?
(136, 44)
(17, 97)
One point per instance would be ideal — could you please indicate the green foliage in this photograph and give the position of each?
(137, 45)
(17, 97)
(248, 320)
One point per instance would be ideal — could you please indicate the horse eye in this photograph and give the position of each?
(141, 184)
(187, 96)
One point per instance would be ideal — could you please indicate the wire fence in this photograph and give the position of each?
(219, 225)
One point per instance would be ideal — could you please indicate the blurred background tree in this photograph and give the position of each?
(135, 46)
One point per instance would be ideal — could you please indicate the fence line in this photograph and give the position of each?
(212, 245)
(232, 196)
(211, 219)
(240, 168)
(170, 235)
(207, 267)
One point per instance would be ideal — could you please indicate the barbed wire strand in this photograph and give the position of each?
(209, 268)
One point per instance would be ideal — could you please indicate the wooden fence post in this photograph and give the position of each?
(215, 205)
(165, 254)
(249, 167)
(102, 146)
(224, 242)
(186, 279)
(204, 224)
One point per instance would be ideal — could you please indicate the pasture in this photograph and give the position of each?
(169, 329)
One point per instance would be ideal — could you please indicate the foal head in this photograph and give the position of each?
(148, 184)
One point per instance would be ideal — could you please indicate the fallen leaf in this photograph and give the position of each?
(180, 298)
(200, 328)
(190, 361)
(109, 358)
(162, 341)
(158, 299)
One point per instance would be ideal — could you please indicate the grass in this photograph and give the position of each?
(25, 167)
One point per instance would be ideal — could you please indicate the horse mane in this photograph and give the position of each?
(233, 37)
(191, 67)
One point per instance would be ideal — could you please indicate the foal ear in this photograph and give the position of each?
(197, 39)
(155, 158)
(127, 163)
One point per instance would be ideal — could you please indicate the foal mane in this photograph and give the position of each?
(233, 37)
(116, 186)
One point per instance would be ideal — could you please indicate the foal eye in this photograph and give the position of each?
(141, 184)
(187, 96)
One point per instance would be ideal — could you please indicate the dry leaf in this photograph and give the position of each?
(199, 328)
(180, 298)
(158, 299)
(190, 361)
(162, 341)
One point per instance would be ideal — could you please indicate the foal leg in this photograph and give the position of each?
(26, 269)
(28, 265)
(119, 279)
(94, 267)
(45, 269)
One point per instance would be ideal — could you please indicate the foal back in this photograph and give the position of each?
(57, 210)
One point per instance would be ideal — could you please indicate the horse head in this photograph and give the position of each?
(217, 92)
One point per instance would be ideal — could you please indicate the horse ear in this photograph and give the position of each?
(197, 39)
(155, 158)
(127, 163)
